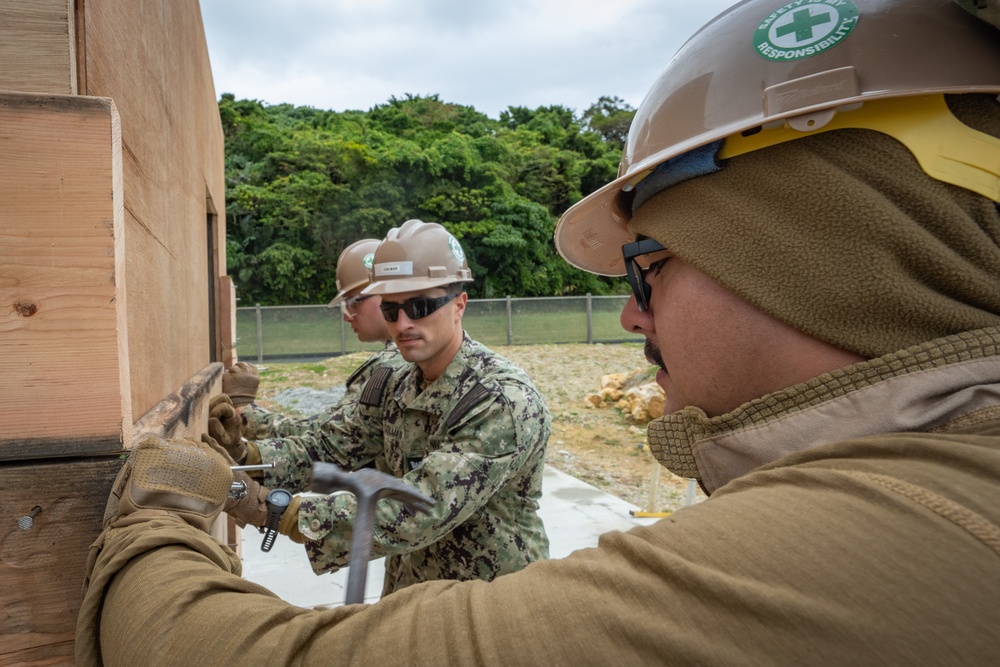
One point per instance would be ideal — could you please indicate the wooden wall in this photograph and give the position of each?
(115, 312)
(150, 57)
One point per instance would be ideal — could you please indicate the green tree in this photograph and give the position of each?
(303, 183)
(610, 117)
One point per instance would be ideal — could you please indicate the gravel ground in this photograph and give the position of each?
(307, 400)
(599, 447)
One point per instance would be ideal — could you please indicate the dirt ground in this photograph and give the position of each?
(598, 446)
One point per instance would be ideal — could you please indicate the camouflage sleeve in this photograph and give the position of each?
(461, 471)
(260, 423)
(338, 435)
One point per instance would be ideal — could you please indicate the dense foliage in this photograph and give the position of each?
(303, 183)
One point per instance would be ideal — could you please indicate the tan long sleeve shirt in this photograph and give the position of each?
(882, 549)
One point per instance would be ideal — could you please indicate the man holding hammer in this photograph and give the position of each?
(461, 424)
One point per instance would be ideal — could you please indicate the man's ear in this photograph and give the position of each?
(460, 302)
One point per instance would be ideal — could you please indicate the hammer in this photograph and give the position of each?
(368, 486)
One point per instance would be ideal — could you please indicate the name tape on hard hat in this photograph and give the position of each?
(394, 269)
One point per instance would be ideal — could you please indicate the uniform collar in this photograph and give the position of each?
(413, 394)
(923, 388)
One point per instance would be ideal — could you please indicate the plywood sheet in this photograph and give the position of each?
(37, 50)
(63, 345)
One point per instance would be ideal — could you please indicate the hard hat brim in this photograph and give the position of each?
(342, 293)
(400, 285)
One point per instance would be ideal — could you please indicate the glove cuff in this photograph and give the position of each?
(240, 401)
(253, 454)
(289, 524)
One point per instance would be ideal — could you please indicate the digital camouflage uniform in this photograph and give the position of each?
(474, 439)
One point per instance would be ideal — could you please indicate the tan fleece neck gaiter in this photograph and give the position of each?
(842, 236)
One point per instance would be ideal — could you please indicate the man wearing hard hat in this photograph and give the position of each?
(235, 420)
(457, 421)
(807, 214)
(240, 383)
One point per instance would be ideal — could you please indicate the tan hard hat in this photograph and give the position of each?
(415, 256)
(768, 71)
(354, 267)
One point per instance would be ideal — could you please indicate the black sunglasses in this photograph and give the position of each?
(415, 309)
(637, 274)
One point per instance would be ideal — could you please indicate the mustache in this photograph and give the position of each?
(653, 354)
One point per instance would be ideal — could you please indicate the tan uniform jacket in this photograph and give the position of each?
(882, 549)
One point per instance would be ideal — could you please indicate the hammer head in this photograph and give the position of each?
(368, 484)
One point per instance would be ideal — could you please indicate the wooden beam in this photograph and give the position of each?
(63, 337)
(227, 321)
(42, 567)
(184, 413)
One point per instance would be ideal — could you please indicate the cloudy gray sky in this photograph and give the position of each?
(354, 54)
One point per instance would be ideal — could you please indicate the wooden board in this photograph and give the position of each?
(151, 57)
(227, 321)
(37, 46)
(183, 413)
(90, 200)
(42, 568)
(63, 345)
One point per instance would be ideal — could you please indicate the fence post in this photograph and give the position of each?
(590, 319)
(343, 330)
(691, 496)
(510, 327)
(260, 338)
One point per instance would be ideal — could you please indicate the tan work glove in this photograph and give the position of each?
(252, 507)
(240, 382)
(225, 426)
(182, 477)
(289, 524)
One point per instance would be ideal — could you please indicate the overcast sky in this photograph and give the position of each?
(355, 54)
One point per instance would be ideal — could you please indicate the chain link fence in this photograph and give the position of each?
(274, 333)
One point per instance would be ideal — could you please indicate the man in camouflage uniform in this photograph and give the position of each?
(362, 312)
(460, 423)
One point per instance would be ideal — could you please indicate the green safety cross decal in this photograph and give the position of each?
(804, 28)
